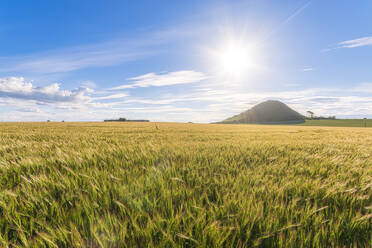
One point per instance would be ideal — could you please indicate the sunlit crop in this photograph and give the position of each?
(184, 185)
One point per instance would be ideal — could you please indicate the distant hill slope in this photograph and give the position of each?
(268, 112)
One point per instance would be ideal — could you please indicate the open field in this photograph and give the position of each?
(184, 185)
(339, 123)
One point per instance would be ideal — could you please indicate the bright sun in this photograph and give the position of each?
(233, 58)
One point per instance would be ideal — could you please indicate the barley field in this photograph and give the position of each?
(339, 123)
(184, 185)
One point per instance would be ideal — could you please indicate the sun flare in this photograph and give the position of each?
(233, 58)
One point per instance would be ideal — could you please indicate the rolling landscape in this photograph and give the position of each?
(274, 112)
(268, 112)
(185, 124)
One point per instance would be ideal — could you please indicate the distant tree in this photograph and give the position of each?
(311, 114)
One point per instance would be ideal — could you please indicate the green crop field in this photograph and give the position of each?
(339, 123)
(184, 185)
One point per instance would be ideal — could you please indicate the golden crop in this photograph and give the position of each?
(184, 185)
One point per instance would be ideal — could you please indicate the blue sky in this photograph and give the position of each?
(199, 61)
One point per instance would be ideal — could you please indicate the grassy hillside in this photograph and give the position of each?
(184, 185)
(339, 123)
(268, 112)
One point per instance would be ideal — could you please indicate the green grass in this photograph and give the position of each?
(339, 123)
(184, 185)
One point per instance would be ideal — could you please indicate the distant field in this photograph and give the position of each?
(184, 185)
(339, 123)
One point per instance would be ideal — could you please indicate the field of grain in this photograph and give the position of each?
(339, 123)
(184, 185)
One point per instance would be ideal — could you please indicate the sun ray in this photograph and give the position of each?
(233, 58)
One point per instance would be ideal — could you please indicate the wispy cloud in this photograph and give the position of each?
(89, 84)
(165, 79)
(66, 60)
(363, 88)
(365, 41)
(109, 97)
(292, 84)
(307, 69)
(288, 19)
(100, 54)
(296, 13)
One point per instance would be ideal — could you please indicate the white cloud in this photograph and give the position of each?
(308, 69)
(365, 41)
(170, 78)
(114, 96)
(18, 88)
(22, 100)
